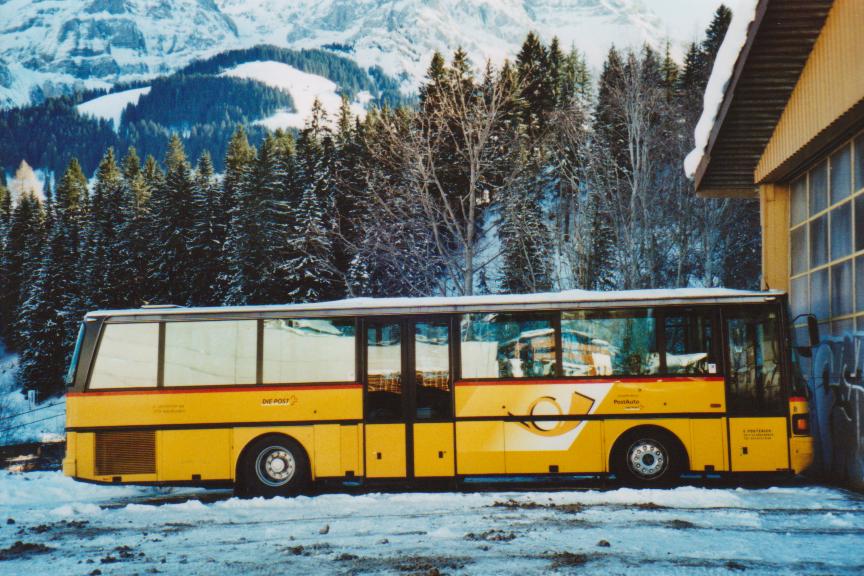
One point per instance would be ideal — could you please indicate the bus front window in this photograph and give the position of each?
(801, 354)
(73, 364)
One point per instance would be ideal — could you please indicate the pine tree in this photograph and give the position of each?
(282, 219)
(234, 225)
(575, 81)
(103, 258)
(538, 81)
(461, 69)
(609, 123)
(171, 211)
(131, 247)
(312, 270)
(153, 175)
(435, 77)
(71, 207)
(555, 69)
(71, 194)
(346, 190)
(268, 229)
(5, 210)
(715, 33)
(690, 89)
(670, 73)
(204, 244)
(531, 64)
(43, 322)
(525, 245)
(24, 239)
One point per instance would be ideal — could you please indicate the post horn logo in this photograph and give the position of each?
(540, 418)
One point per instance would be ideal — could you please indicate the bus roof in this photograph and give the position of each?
(432, 305)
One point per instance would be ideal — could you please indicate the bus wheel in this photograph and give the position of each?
(648, 456)
(271, 466)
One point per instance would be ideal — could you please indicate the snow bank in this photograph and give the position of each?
(304, 89)
(58, 493)
(724, 65)
(111, 106)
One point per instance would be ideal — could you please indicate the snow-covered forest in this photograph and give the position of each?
(532, 176)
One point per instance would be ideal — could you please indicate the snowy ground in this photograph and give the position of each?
(65, 527)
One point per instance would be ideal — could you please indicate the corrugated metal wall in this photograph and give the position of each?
(830, 84)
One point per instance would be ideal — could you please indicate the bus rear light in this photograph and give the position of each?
(801, 424)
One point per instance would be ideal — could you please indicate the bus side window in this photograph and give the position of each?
(432, 370)
(609, 343)
(309, 350)
(210, 352)
(128, 356)
(507, 345)
(689, 338)
(384, 372)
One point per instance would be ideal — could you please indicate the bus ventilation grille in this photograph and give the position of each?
(125, 453)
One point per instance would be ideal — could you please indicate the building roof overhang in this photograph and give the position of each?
(779, 41)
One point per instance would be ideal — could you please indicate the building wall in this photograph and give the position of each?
(814, 235)
(774, 217)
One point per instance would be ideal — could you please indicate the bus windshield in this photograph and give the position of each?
(800, 360)
(70, 373)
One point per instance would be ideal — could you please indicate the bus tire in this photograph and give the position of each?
(272, 465)
(648, 456)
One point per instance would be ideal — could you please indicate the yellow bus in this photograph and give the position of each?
(642, 386)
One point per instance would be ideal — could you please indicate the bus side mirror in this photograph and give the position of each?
(812, 333)
(813, 330)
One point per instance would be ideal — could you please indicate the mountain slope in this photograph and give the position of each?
(401, 35)
(48, 47)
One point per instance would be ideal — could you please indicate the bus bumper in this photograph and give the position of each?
(69, 462)
(801, 453)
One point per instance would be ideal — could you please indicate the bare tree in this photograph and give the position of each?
(466, 130)
(579, 234)
(625, 172)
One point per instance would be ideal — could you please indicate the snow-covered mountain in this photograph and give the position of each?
(50, 46)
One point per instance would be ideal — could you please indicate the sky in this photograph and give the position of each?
(688, 18)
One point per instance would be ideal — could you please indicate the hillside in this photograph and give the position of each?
(263, 87)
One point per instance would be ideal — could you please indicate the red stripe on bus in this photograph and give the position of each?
(198, 390)
(797, 399)
(591, 381)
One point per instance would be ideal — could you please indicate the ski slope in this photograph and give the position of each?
(111, 106)
(304, 89)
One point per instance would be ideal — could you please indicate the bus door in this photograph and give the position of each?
(755, 393)
(408, 402)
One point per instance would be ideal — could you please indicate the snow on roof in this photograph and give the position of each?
(724, 65)
(563, 297)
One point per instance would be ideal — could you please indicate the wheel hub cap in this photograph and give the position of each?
(275, 466)
(646, 459)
